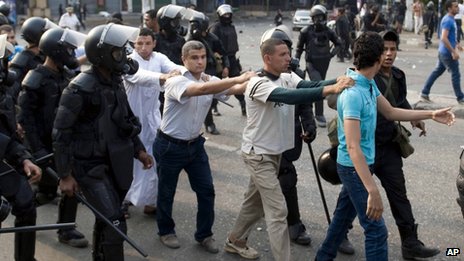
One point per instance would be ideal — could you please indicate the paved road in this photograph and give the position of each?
(430, 175)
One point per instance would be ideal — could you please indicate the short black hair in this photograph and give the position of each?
(147, 32)
(368, 48)
(448, 4)
(152, 13)
(390, 35)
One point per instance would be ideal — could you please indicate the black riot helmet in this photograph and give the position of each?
(169, 17)
(318, 15)
(7, 77)
(198, 21)
(5, 9)
(59, 44)
(327, 166)
(105, 46)
(34, 27)
(224, 13)
(280, 32)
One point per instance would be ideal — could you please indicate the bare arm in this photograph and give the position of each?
(237, 89)
(444, 116)
(203, 88)
(353, 142)
(446, 42)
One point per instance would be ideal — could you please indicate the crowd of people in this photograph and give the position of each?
(120, 132)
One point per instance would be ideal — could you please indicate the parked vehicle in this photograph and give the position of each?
(301, 18)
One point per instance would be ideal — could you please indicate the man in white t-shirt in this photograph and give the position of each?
(179, 144)
(268, 133)
(69, 20)
(458, 19)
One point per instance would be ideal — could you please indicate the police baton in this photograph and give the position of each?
(321, 191)
(80, 197)
(37, 228)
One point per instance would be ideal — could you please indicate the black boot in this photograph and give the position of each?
(298, 234)
(24, 245)
(67, 213)
(412, 247)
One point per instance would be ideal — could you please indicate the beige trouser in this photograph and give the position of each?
(264, 197)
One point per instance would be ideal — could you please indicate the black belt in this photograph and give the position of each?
(177, 141)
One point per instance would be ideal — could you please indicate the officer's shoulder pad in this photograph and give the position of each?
(84, 82)
(22, 58)
(32, 80)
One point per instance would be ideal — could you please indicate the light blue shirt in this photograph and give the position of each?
(449, 24)
(360, 103)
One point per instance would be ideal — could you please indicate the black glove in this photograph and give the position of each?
(309, 135)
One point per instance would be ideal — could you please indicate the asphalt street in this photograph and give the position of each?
(430, 176)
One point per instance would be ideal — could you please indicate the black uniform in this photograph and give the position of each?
(13, 186)
(21, 64)
(316, 44)
(39, 102)
(304, 122)
(228, 35)
(171, 46)
(95, 140)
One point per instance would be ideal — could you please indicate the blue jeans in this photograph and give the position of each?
(352, 201)
(171, 158)
(445, 62)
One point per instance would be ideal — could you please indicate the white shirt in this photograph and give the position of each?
(143, 89)
(270, 125)
(69, 21)
(460, 12)
(183, 116)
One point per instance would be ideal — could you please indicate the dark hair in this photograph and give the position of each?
(449, 3)
(7, 28)
(390, 35)
(268, 46)
(147, 32)
(152, 13)
(368, 48)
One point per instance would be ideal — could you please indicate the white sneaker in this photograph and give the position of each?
(245, 252)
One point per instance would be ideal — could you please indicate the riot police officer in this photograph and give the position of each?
(14, 186)
(224, 29)
(42, 91)
(30, 57)
(305, 130)
(315, 40)
(169, 40)
(96, 135)
(198, 30)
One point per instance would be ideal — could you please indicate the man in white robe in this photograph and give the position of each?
(143, 89)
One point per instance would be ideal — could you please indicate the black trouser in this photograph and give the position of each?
(288, 179)
(388, 168)
(235, 69)
(99, 187)
(209, 121)
(317, 71)
(16, 189)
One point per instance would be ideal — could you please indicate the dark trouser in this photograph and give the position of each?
(18, 192)
(209, 121)
(345, 48)
(317, 71)
(99, 187)
(171, 158)
(288, 179)
(235, 69)
(388, 168)
(459, 31)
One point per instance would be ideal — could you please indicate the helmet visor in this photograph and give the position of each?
(49, 24)
(172, 11)
(224, 9)
(73, 38)
(118, 35)
(6, 48)
(191, 14)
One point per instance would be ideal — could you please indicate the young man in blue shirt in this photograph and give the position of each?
(357, 115)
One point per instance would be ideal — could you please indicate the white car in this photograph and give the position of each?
(301, 18)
